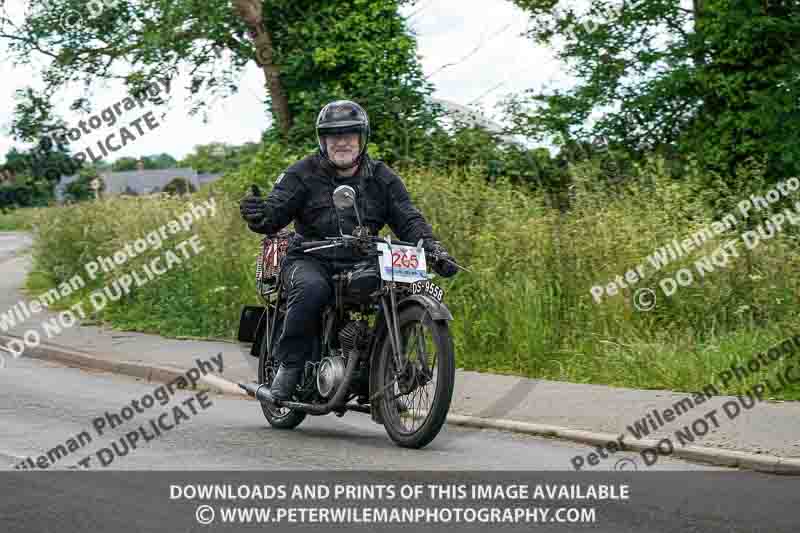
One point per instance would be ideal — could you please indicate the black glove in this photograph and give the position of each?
(438, 252)
(253, 209)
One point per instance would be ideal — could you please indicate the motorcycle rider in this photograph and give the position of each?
(303, 194)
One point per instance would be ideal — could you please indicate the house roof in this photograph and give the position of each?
(140, 181)
(208, 178)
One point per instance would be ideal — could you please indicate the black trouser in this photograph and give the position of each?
(309, 286)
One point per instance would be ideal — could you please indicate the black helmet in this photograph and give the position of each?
(342, 116)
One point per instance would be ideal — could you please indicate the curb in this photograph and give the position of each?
(749, 461)
(150, 373)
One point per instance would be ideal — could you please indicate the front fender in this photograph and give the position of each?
(437, 309)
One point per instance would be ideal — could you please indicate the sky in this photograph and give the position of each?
(471, 50)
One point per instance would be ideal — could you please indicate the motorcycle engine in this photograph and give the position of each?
(353, 338)
(330, 375)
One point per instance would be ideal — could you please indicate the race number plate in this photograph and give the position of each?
(404, 264)
(426, 287)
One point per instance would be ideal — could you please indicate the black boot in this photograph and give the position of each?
(285, 382)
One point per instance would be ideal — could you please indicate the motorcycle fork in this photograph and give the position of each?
(389, 304)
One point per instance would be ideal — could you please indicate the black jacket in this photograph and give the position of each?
(304, 194)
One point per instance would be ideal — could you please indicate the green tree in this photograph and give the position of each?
(160, 161)
(24, 192)
(717, 82)
(218, 157)
(35, 122)
(179, 186)
(359, 50)
(124, 164)
(150, 162)
(80, 189)
(310, 51)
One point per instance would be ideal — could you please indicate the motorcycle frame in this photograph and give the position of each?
(387, 309)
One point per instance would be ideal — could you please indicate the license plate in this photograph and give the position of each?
(426, 287)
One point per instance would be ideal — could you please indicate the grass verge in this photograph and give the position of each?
(527, 309)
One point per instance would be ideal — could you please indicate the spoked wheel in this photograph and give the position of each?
(278, 417)
(416, 399)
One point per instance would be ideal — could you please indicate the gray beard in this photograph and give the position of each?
(350, 162)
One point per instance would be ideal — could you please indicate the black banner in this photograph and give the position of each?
(121, 501)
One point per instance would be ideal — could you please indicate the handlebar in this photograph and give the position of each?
(314, 244)
(333, 241)
(401, 243)
(340, 241)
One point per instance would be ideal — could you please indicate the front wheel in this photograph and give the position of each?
(415, 399)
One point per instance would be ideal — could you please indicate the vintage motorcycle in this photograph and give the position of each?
(385, 349)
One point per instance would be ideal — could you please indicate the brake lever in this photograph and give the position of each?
(440, 257)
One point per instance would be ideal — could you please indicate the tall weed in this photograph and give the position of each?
(525, 309)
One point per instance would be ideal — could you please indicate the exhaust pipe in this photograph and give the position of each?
(262, 394)
(259, 392)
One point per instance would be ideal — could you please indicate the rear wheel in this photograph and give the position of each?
(278, 417)
(416, 399)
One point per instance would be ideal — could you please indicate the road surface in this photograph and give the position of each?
(60, 418)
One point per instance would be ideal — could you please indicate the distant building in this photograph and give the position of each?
(207, 178)
(140, 182)
(471, 117)
(468, 115)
